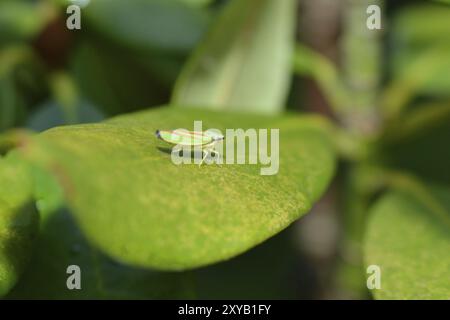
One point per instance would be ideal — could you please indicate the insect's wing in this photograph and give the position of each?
(184, 137)
(200, 138)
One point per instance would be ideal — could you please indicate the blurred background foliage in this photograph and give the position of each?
(391, 88)
(120, 61)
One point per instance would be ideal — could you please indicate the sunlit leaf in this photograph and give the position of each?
(137, 206)
(244, 63)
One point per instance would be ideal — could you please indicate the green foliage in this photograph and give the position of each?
(178, 217)
(18, 75)
(139, 23)
(113, 86)
(255, 274)
(413, 80)
(198, 3)
(51, 114)
(419, 143)
(421, 53)
(20, 20)
(11, 103)
(61, 244)
(245, 60)
(309, 63)
(408, 237)
(444, 1)
(18, 221)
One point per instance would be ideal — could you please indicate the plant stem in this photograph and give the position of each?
(362, 72)
(362, 49)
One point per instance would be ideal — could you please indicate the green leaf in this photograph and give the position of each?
(112, 85)
(61, 244)
(420, 54)
(443, 1)
(11, 104)
(21, 20)
(408, 236)
(245, 60)
(418, 142)
(431, 26)
(137, 206)
(139, 23)
(18, 221)
(21, 84)
(414, 79)
(197, 3)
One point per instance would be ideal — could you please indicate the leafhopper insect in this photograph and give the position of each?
(205, 141)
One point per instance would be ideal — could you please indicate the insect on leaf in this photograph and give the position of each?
(176, 217)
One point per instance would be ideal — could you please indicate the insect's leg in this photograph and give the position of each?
(218, 155)
(205, 152)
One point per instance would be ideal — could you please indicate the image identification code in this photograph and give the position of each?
(226, 309)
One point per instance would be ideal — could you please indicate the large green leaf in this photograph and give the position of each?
(41, 273)
(136, 205)
(61, 244)
(18, 221)
(420, 54)
(150, 25)
(245, 60)
(409, 238)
